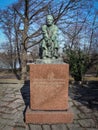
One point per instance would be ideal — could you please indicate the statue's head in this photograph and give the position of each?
(49, 20)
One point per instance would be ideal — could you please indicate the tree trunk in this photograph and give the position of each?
(24, 64)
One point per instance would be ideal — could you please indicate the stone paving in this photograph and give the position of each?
(14, 99)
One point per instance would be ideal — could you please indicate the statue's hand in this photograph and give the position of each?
(49, 42)
(46, 39)
(53, 38)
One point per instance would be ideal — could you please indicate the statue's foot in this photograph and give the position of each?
(44, 58)
(53, 58)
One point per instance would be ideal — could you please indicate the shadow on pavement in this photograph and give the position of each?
(86, 94)
(25, 92)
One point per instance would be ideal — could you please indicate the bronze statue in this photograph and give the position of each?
(49, 44)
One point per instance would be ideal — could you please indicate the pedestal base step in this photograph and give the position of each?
(48, 117)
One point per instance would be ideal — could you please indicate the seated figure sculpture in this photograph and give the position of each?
(49, 44)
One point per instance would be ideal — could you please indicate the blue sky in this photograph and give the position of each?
(5, 3)
(96, 4)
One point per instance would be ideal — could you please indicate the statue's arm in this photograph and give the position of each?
(44, 32)
(54, 36)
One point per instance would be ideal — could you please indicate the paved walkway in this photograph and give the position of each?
(14, 98)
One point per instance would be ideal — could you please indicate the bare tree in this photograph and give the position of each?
(22, 25)
(30, 13)
(7, 23)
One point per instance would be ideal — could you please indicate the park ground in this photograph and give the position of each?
(15, 97)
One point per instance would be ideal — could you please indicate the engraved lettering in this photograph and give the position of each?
(48, 82)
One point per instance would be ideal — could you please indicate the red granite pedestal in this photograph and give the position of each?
(49, 94)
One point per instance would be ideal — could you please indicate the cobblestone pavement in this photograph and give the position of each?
(14, 98)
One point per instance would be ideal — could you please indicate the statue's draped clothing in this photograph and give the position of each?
(50, 43)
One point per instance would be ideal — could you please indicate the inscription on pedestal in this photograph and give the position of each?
(48, 82)
(49, 87)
